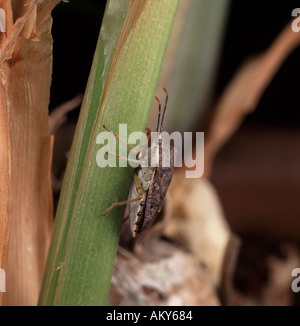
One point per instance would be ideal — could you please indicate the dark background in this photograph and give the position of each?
(75, 30)
(251, 28)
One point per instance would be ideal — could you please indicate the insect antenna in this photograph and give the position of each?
(159, 113)
(165, 107)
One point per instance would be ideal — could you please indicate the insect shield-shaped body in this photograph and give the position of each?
(150, 184)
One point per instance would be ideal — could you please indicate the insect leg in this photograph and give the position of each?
(159, 112)
(120, 139)
(148, 131)
(120, 203)
(124, 158)
(165, 107)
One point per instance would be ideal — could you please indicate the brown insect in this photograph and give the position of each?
(150, 184)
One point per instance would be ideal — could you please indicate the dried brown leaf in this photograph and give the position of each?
(59, 115)
(5, 178)
(245, 90)
(25, 66)
(198, 222)
(20, 9)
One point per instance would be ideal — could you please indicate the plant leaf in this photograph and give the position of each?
(127, 62)
(25, 86)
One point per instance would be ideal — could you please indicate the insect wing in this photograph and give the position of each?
(153, 204)
(160, 182)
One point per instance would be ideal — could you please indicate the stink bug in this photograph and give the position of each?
(150, 184)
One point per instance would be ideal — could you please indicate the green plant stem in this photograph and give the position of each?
(126, 66)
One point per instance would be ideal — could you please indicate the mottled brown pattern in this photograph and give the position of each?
(140, 219)
(158, 189)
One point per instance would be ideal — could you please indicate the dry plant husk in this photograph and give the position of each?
(181, 260)
(244, 91)
(26, 200)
